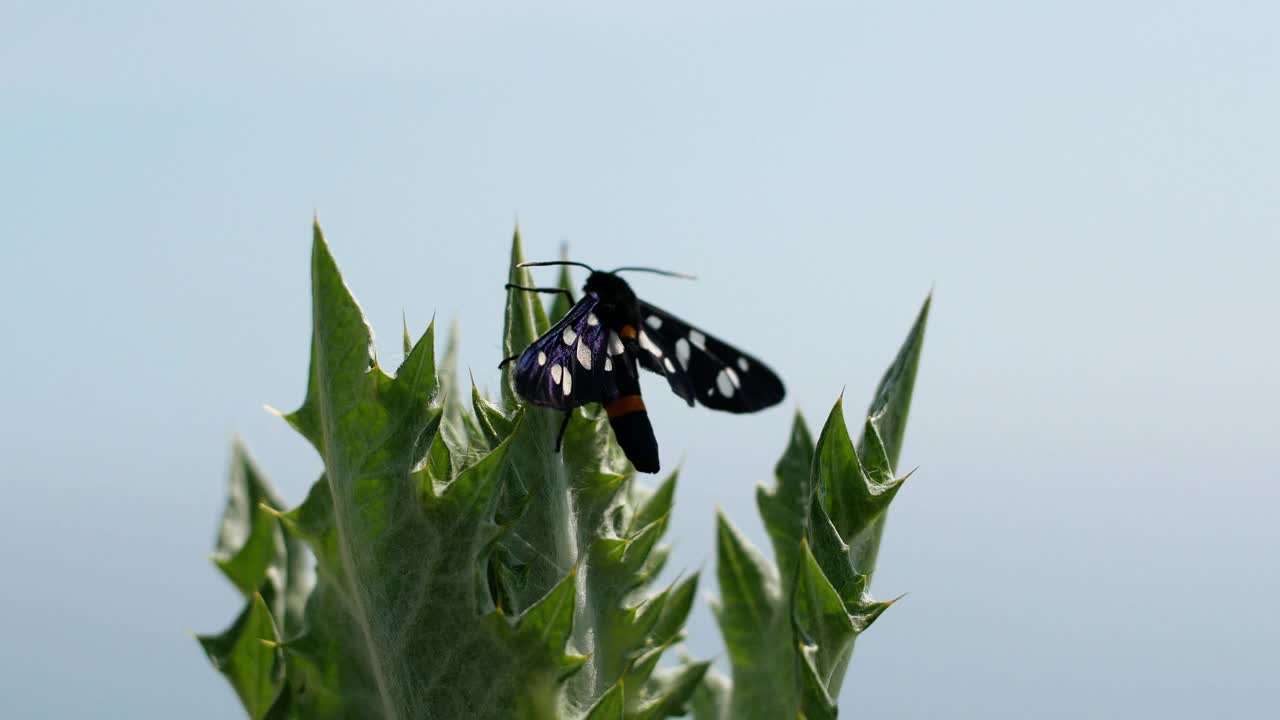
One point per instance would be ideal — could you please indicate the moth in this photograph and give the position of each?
(593, 355)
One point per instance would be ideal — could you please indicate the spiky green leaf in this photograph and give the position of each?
(668, 692)
(892, 401)
(820, 619)
(888, 415)
(785, 507)
(790, 634)
(612, 705)
(756, 628)
(246, 654)
(253, 548)
(525, 317)
(466, 572)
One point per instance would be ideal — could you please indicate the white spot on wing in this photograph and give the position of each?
(647, 344)
(584, 355)
(542, 358)
(568, 382)
(743, 365)
(592, 320)
(556, 373)
(615, 344)
(608, 364)
(733, 377)
(654, 322)
(670, 367)
(682, 352)
(724, 384)
(698, 339)
(568, 336)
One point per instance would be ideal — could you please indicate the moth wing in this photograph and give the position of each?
(569, 366)
(702, 367)
(658, 354)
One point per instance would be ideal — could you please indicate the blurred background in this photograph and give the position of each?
(1090, 187)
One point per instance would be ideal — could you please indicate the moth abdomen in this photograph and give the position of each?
(630, 422)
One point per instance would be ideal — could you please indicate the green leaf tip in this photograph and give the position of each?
(891, 403)
(676, 604)
(406, 341)
(785, 507)
(417, 373)
(612, 704)
(560, 302)
(747, 581)
(524, 320)
(253, 548)
(543, 631)
(658, 505)
(341, 340)
(552, 616)
(855, 494)
(246, 654)
(669, 692)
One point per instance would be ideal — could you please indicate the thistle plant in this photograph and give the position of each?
(465, 569)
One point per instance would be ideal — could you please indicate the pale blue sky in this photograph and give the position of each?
(1092, 187)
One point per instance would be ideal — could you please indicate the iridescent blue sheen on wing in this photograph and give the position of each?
(570, 365)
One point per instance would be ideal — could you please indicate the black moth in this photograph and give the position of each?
(591, 355)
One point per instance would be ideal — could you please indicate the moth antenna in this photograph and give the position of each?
(656, 271)
(555, 262)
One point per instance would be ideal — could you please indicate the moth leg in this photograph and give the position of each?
(563, 426)
(507, 360)
(553, 291)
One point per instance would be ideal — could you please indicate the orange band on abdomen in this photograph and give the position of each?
(624, 405)
(628, 331)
